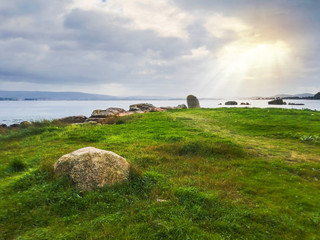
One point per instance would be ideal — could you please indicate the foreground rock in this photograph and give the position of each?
(90, 168)
(72, 119)
(193, 102)
(231, 103)
(277, 102)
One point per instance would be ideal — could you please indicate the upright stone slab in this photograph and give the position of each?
(193, 102)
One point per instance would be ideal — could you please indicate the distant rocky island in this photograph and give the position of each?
(307, 96)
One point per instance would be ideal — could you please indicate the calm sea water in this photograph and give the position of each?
(18, 111)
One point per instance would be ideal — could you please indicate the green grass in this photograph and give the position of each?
(224, 173)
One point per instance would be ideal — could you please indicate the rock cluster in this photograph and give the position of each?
(90, 168)
(193, 101)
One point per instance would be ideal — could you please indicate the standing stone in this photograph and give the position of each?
(90, 168)
(193, 102)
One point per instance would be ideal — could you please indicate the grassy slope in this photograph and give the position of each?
(223, 173)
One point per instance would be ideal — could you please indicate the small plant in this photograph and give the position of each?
(16, 165)
(309, 138)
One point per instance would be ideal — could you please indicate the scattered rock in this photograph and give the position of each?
(220, 104)
(72, 119)
(159, 200)
(278, 101)
(90, 168)
(246, 103)
(300, 104)
(106, 113)
(167, 108)
(231, 103)
(181, 106)
(193, 102)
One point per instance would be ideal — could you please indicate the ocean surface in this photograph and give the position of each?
(18, 111)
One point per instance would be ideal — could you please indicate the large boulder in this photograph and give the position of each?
(90, 168)
(317, 96)
(277, 101)
(193, 102)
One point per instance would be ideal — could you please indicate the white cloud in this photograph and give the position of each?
(160, 16)
(221, 26)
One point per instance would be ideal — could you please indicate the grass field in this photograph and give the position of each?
(226, 173)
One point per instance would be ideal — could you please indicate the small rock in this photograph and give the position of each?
(231, 103)
(193, 102)
(278, 101)
(246, 103)
(299, 104)
(90, 168)
(181, 106)
(72, 119)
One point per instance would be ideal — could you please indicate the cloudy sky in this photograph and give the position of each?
(161, 48)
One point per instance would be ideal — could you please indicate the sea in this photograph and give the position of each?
(17, 111)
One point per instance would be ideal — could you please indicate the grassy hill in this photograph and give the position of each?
(196, 174)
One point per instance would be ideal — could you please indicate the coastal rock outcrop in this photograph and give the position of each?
(193, 101)
(317, 96)
(90, 168)
(278, 101)
(231, 103)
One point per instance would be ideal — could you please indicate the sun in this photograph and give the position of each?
(245, 61)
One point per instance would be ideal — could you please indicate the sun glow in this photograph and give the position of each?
(249, 62)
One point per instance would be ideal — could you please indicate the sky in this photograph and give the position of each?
(161, 48)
